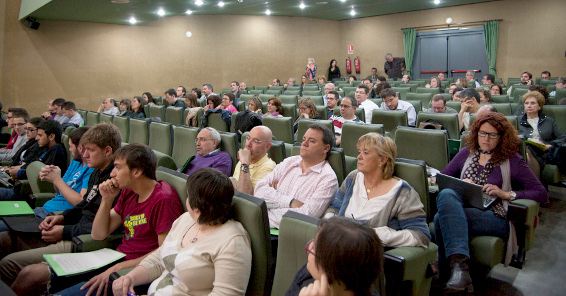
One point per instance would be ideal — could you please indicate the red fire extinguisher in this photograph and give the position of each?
(357, 65)
(349, 66)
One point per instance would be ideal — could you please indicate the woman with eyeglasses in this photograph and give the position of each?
(307, 109)
(344, 258)
(490, 159)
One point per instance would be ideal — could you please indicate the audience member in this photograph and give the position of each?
(107, 107)
(304, 81)
(228, 103)
(50, 114)
(441, 76)
(362, 94)
(307, 109)
(526, 79)
(560, 84)
(406, 79)
(275, 82)
(328, 88)
(380, 87)
(488, 79)
(148, 98)
(321, 81)
(60, 117)
(30, 151)
(452, 87)
(470, 99)
(545, 75)
(373, 75)
(538, 88)
(370, 86)
(391, 102)
(311, 70)
(197, 92)
(180, 92)
(137, 111)
(235, 89)
(463, 83)
(304, 183)
(274, 107)
(347, 114)
(75, 119)
(194, 107)
(332, 99)
(255, 105)
(254, 163)
(212, 102)
(456, 94)
(208, 154)
(290, 82)
(125, 106)
(470, 77)
(351, 79)
(485, 95)
(485, 109)
(333, 71)
(18, 121)
(243, 87)
(394, 67)
(438, 104)
(171, 97)
(496, 90)
(206, 252)
(207, 90)
(435, 83)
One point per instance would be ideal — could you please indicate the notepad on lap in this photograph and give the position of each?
(75, 263)
(14, 208)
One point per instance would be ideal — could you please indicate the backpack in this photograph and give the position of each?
(245, 121)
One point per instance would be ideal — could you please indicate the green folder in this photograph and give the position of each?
(77, 263)
(274, 231)
(14, 208)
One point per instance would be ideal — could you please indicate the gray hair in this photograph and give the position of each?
(388, 54)
(292, 79)
(214, 134)
(209, 86)
(472, 72)
(470, 93)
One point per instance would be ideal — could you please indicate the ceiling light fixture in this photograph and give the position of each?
(436, 2)
(449, 20)
(352, 12)
(189, 11)
(199, 2)
(133, 20)
(343, 1)
(267, 11)
(161, 12)
(302, 5)
(221, 3)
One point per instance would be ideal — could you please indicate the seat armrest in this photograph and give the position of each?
(41, 198)
(523, 211)
(85, 243)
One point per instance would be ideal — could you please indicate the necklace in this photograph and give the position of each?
(369, 190)
(195, 239)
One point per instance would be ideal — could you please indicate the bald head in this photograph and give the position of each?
(485, 109)
(328, 88)
(259, 142)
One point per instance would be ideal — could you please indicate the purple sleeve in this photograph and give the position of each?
(455, 166)
(521, 173)
(224, 163)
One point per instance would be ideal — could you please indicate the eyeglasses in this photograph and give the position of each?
(202, 140)
(492, 136)
(345, 106)
(388, 101)
(20, 124)
(438, 108)
(303, 108)
(308, 249)
(255, 141)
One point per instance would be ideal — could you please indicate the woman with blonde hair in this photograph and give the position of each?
(311, 70)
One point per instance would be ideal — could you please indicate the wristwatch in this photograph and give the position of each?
(513, 195)
(245, 168)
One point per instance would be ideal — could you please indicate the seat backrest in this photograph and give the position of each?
(274, 92)
(432, 145)
(308, 93)
(177, 180)
(233, 122)
(106, 118)
(92, 118)
(418, 105)
(402, 91)
(123, 125)
(215, 121)
(449, 121)
(65, 141)
(184, 145)
(336, 160)
(351, 133)
(424, 90)
(558, 113)
(560, 93)
(500, 98)
(289, 99)
(423, 97)
(322, 111)
(390, 119)
(157, 111)
(413, 85)
(262, 87)
(454, 104)
(310, 88)
(295, 231)
(318, 100)
(277, 151)
(414, 172)
(518, 93)
(251, 212)
(246, 99)
(139, 131)
(265, 97)
(292, 92)
(289, 110)
(161, 137)
(174, 115)
(229, 143)
(256, 92)
(281, 127)
(69, 129)
(38, 186)
(305, 123)
(279, 88)
(503, 108)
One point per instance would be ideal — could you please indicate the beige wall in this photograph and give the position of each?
(86, 62)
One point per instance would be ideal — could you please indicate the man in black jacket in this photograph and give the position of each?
(100, 142)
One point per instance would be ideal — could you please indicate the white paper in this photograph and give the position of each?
(78, 262)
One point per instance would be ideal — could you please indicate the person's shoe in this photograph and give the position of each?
(460, 279)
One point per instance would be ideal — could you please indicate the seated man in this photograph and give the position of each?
(235, 88)
(560, 84)
(347, 113)
(470, 76)
(18, 121)
(488, 79)
(391, 102)
(208, 154)
(290, 82)
(327, 89)
(470, 99)
(75, 119)
(441, 76)
(254, 163)
(545, 75)
(407, 78)
(108, 107)
(171, 97)
(181, 92)
(146, 209)
(456, 94)
(52, 151)
(30, 150)
(207, 91)
(304, 183)
(100, 142)
(332, 99)
(275, 82)
(60, 113)
(439, 105)
(50, 114)
(362, 94)
(369, 83)
(526, 79)
(243, 88)
(13, 136)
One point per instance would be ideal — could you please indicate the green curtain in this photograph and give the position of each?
(409, 39)
(490, 30)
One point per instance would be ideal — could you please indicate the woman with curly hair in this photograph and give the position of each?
(490, 159)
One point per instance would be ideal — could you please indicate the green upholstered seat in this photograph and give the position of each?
(157, 111)
(289, 110)
(305, 123)
(403, 91)
(161, 137)
(308, 93)
(424, 90)
(229, 143)
(215, 121)
(289, 99)
(123, 125)
(281, 127)
(425, 98)
(454, 105)
(92, 118)
(273, 92)
(42, 191)
(139, 131)
(390, 119)
(500, 98)
(174, 115)
(449, 122)
(184, 145)
(292, 92)
(432, 146)
(106, 118)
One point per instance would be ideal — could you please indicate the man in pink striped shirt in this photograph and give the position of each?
(304, 183)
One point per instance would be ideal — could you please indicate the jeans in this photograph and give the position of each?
(7, 193)
(39, 212)
(75, 291)
(454, 224)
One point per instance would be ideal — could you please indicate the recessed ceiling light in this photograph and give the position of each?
(352, 12)
(189, 11)
(302, 5)
(267, 11)
(161, 12)
(120, 1)
(343, 1)
(199, 2)
(132, 20)
(221, 3)
(436, 2)
(449, 20)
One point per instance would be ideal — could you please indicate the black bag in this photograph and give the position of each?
(245, 121)
(432, 124)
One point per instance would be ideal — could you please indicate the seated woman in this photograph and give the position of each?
(212, 102)
(304, 81)
(321, 81)
(125, 106)
(274, 107)
(351, 78)
(345, 258)
(255, 105)
(435, 83)
(148, 98)
(489, 159)
(463, 83)
(452, 87)
(485, 95)
(537, 127)
(228, 103)
(496, 89)
(387, 204)
(542, 90)
(193, 105)
(307, 109)
(206, 252)
(197, 91)
(137, 111)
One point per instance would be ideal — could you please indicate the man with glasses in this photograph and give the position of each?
(208, 154)
(254, 163)
(347, 113)
(327, 89)
(471, 77)
(332, 99)
(18, 120)
(59, 112)
(439, 105)
(362, 94)
(391, 102)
